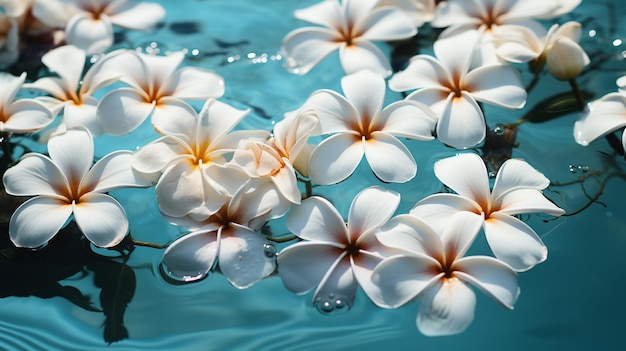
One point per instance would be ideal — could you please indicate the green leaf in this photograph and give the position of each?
(554, 107)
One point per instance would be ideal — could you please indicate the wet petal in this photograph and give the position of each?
(192, 256)
(335, 158)
(363, 55)
(123, 110)
(35, 174)
(304, 48)
(191, 83)
(37, 220)
(411, 234)
(137, 15)
(302, 266)
(338, 284)
(365, 91)
(370, 209)
(517, 173)
(496, 85)
(101, 218)
(90, 34)
(514, 242)
(467, 175)
(113, 171)
(436, 209)
(27, 115)
(242, 257)
(316, 219)
(408, 119)
(72, 152)
(462, 124)
(386, 24)
(520, 201)
(602, 117)
(491, 276)
(446, 308)
(389, 158)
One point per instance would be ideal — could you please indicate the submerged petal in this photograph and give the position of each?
(101, 218)
(37, 220)
(192, 256)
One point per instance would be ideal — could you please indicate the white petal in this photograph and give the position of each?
(456, 53)
(67, 61)
(229, 179)
(457, 12)
(365, 91)
(316, 219)
(37, 220)
(529, 9)
(27, 115)
(154, 157)
(159, 69)
(363, 265)
(101, 219)
(462, 124)
(408, 119)
(54, 86)
(256, 203)
(370, 209)
(402, 278)
(35, 174)
(496, 85)
(338, 284)
(520, 201)
(137, 15)
(423, 71)
(566, 59)
(335, 112)
(386, 24)
(122, 110)
(90, 34)
(517, 173)
(436, 209)
(514, 242)
(217, 119)
(304, 48)
(302, 266)
(9, 86)
(191, 83)
(459, 234)
(242, 256)
(53, 13)
(363, 55)
(113, 171)
(436, 98)
(173, 116)
(84, 115)
(326, 13)
(287, 183)
(517, 43)
(192, 256)
(467, 175)
(72, 152)
(602, 117)
(411, 234)
(389, 158)
(129, 67)
(335, 158)
(446, 308)
(491, 276)
(357, 11)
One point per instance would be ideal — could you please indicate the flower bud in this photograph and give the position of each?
(566, 59)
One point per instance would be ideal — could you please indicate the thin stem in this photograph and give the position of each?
(582, 104)
(149, 244)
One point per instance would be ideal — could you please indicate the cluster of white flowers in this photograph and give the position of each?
(224, 184)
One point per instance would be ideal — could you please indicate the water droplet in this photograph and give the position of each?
(573, 169)
(332, 304)
(492, 174)
(499, 129)
(269, 250)
(175, 278)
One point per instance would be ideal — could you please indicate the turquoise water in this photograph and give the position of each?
(573, 301)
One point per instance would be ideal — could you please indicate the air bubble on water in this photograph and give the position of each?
(332, 304)
(176, 278)
(578, 169)
(269, 250)
(492, 174)
(499, 129)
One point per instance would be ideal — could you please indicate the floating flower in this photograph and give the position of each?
(452, 87)
(229, 237)
(156, 89)
(435, 271)
(290, 137)
(517, 190)
(350, 27)
(361, 128)
(22, 115)
(89, 24)
(602, 117)
(70, 90)
(189, 160)
(65, 184)
(336, 256)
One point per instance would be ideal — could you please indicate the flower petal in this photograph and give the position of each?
(436, 209)
(389, 158)
(72, 152)
(316, 219)
(423, 71)
(385, 24)
(94, 35)
(363, 265)
(462, 124)
(339, 283)
(305, 47)
(154, 157)
(68, 62)
(370, 209)
(192, 256)
(496, 85)
(335, 112)
(101, 218)
(55, 14)
(37, 220)
(491, 276)
(302, 266)
(136, 15)
(467, 175)
(83, 115)
(459, 234)
(602, 117)
(408, 119)
(566, 59)
(365, 91)
(517, 173)
(174, 116)
(335, 158)
(363, 55)
(520, 201)
(411, 234)
(35, 174)
(517, 44)
(446, 308)
(326, 13)
(514, 242)
(456, 53)
(216, 119)
(242, 257)
(191, 83)
(122, 110)
(113, 171)
(27, 115)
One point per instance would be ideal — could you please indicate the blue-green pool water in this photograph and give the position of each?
(573, 301)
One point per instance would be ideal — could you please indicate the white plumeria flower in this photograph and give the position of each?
(229, 237)
(421, 11)
(156, 89)
(451, 86)
(435, 271)
(602, 117)
(71, 91)
(290, 138)
(65, 184)
(189, 161)
(562, 7)
(20, 115)
(89, 24)
(517, 190)
(361, 128)
(336, 256)
(350, 27)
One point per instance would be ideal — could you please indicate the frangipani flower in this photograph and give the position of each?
(189, 161)
(452, 87)
(65, 184)
(156, 89)
(70, 90)
(517, 190)
(89, 24)
(361, 128)
(349, 27)
(229, 237)
(290, 138)
(602, 117)
(22, 115)
(336, 256)
(435, 272)
(421, 11)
